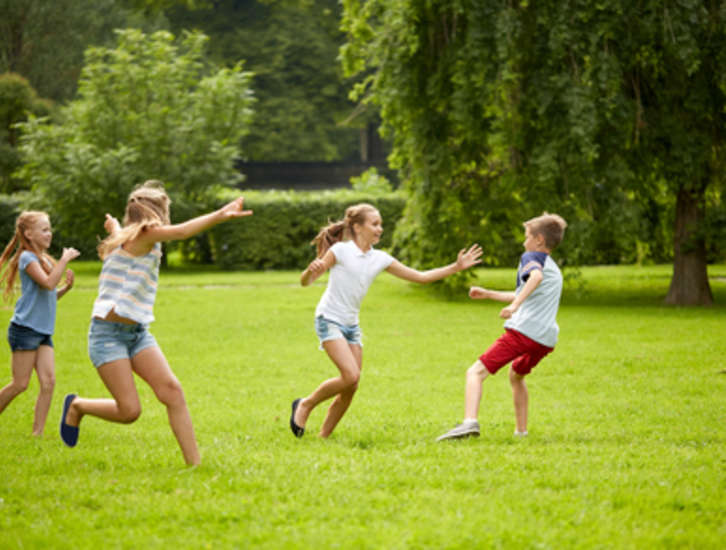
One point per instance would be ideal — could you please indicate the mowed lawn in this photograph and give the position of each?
(627, 444)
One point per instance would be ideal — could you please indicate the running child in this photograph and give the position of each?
(119, 341)
(33, 322)
(346, 249)
(530, 328)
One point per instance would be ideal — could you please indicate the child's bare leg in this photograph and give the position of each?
(22, 366)
(125, 406)
(151, 365)
(521, 400)
(475, 375)
(341, 403)
(340, 353)
(44, 366)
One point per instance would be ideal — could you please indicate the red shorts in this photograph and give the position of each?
(514, 346)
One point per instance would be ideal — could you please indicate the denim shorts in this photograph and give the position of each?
(330, 330)
(23, 338)
(109, 341)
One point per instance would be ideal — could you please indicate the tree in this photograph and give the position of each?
(44, 41)
(498, 110)
(291, 46)
(150, 108)
(17, 99)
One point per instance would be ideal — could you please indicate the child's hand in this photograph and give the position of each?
(70, 278)
(468, 258)
(111, 224)
(478, 293)
(507, 312)
(69, 254)
(234, 209)
(316, 268)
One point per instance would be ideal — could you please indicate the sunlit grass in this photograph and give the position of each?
(626, 448)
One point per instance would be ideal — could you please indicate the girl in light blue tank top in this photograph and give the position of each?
(119, 342)
(33, 321)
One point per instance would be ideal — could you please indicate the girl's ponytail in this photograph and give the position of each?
(342, 230)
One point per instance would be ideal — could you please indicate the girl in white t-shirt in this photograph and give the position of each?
(346, 249)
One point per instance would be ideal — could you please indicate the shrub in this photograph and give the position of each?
(278, 235)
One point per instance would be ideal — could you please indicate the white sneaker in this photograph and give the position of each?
(465, 429)
(525, 433)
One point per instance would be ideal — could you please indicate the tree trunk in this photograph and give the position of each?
(689, 285)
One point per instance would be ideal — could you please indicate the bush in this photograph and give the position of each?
(278, 235)
(10, 207)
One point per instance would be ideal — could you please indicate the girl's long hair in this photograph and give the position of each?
(148, 206)
(11, 255)
(342, 230)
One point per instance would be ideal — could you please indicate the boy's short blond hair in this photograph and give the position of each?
(550, 226)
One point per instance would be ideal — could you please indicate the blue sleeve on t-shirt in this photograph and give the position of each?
(528, 263)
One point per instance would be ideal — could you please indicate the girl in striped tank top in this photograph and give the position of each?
(119, 342)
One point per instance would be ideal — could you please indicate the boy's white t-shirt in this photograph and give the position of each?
(536, 318)
(350, 277)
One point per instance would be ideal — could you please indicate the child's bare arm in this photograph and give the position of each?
(466, 259)
(196, 225)
(317, 267)
(50, 280)
(479, 293)
(70, 278)
(534, 279)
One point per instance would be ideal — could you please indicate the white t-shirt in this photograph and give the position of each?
(350, 277)
(536, 318)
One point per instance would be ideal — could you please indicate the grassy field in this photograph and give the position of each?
(626, 449)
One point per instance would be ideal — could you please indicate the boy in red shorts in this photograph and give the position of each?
(530, 327)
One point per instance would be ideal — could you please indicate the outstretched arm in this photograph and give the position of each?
(196, 225)
(479, 293)
(465, 260)
(317, 267)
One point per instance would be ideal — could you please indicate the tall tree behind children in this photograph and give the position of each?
(33, 322)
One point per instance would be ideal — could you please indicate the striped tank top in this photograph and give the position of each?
(127, 285)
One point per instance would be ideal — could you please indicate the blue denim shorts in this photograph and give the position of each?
(23, 338)
(330, 330)
(109, 341)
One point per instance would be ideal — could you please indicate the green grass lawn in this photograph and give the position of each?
(626, 449)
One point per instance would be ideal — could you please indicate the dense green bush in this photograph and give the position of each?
(278, 235)
(10, 207)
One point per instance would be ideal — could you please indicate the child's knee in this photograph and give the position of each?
(515, 378)
(47, 383)
(477, 370)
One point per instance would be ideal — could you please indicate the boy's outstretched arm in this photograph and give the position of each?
(534, 279)
(479, 293)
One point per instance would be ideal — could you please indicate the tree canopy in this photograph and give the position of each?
(500, 110)
(151, 108)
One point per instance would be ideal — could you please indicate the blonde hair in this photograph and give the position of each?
(147, 206)
(18, 244)
(550, 226)
(342, 230)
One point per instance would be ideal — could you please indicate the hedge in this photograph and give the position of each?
(278, 235)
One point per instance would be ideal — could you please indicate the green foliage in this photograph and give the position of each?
(151, 108)
(291, 46)
(45, 40)
(371, 181)
(278, 234)
(17, 99)
(10, 208)
(498, 111)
